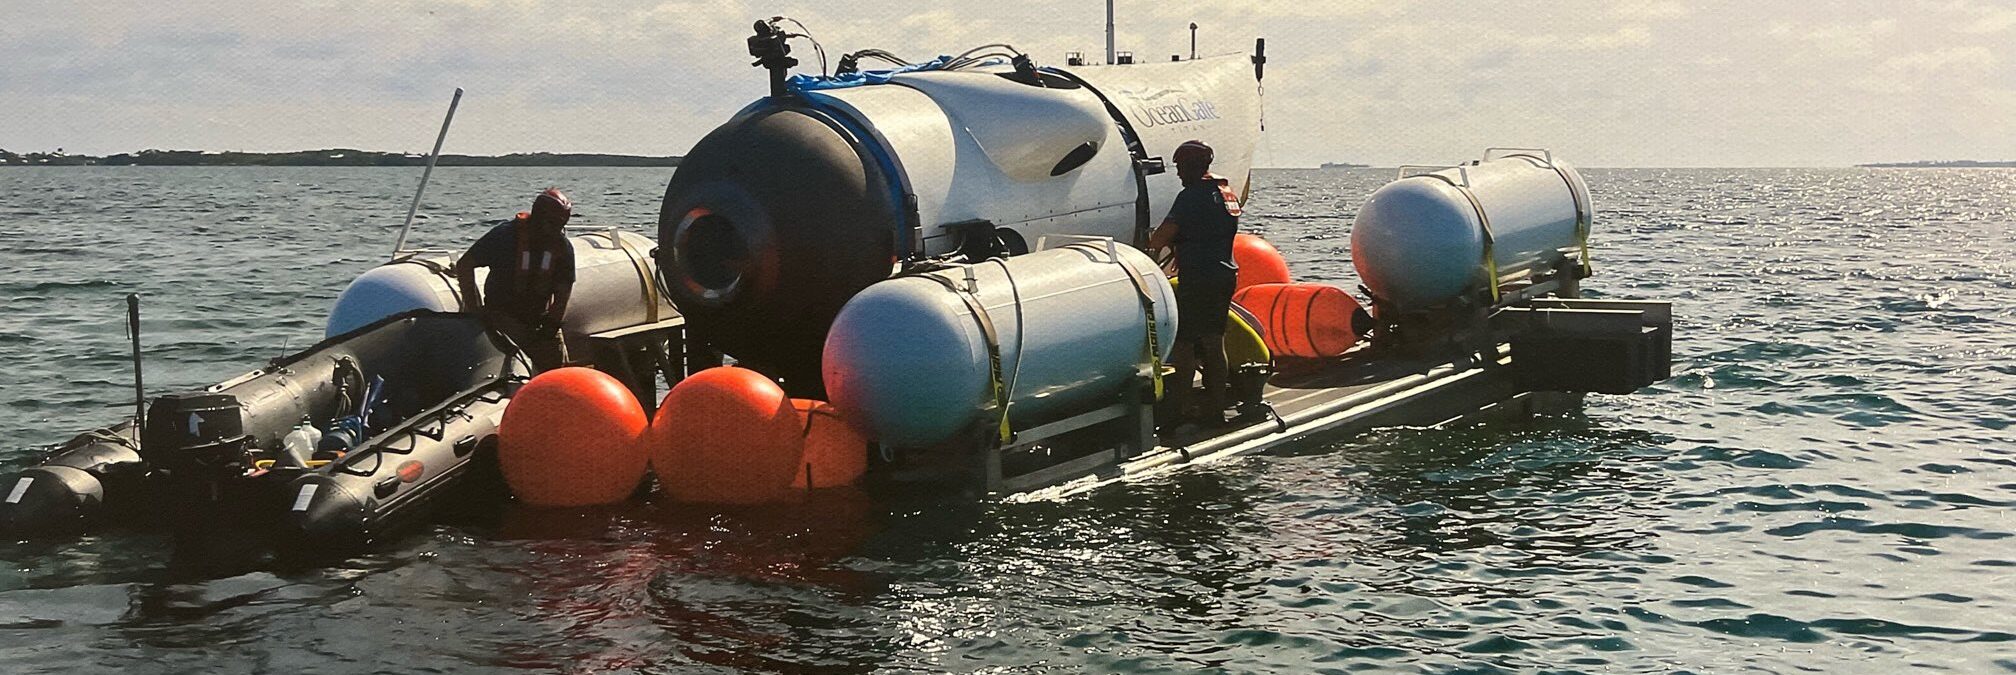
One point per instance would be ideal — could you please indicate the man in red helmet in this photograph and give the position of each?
(1201, 224)
(531, 276)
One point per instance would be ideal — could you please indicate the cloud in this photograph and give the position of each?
(1986, 20)
(1654, 9)
(1952, 59)
(1642, 82)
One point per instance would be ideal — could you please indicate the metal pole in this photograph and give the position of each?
(1193, 40)
(1109, 33)
(432, 157)
(139, 388)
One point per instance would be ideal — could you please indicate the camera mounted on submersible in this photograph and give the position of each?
(772, 53)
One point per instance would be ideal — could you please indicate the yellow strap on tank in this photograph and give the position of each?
(643, 274)
(1154, 330)
(1154, 344)
(999, 389)
(1582, 240)
(1582, 218)
(1484, 220)
(1004, 430)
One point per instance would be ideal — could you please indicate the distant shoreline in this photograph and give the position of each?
(1952, 164)
(340, 157)
(329, 157)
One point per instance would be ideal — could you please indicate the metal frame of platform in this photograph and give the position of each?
(1399, 395)
(640, 355)
(1304, 400)
(1336, 398)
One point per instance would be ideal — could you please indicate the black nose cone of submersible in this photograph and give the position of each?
(50, 500)
(769, 225)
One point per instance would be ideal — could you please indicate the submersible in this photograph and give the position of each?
(832, 183)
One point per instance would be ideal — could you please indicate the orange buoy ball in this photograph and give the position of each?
(570, 438)
(726, 436)
(1259, 262)
(835, 454)
(1304, 320)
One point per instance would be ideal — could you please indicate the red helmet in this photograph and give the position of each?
(1190, 152)
(552, 205)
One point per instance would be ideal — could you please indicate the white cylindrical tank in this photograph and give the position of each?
(1422, 241)
(615, 285)
(907, 359)
(403, 285)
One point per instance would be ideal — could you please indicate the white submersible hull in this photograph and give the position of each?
(805, 198)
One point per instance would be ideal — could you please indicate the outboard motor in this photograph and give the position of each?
(197, 444)
(804, 198)
(196, 436)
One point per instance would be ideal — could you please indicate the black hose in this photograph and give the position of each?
(976, 54)
(883, 55)
(1021, 327)
(807, 34)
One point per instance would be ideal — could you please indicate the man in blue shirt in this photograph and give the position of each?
(531, 278)
(1201, 224)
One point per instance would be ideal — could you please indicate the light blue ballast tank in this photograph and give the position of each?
(907, 359)
(1419, 242)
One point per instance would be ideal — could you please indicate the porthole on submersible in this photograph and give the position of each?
(713, 253)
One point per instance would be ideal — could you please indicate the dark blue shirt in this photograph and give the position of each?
(544, 261)
(1204, 230)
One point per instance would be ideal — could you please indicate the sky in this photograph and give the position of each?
(1612, 83)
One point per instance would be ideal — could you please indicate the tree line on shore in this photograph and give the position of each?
(1941, 164)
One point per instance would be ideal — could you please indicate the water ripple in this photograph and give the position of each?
(1823, 485)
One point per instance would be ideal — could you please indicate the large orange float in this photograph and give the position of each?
(835, 454)
(726, 436)
(1259, 262)
(1303, 320)
(570, 438)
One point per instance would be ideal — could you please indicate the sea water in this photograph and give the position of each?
(1826, 484)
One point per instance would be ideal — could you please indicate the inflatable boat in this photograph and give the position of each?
(408, 402)
(341, 443)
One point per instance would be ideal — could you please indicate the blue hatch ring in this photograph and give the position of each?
(909, 230)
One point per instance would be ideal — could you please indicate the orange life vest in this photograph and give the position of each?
(526, 252)
(1225, 190)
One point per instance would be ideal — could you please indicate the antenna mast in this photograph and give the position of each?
(432, 158)
(1109, 32)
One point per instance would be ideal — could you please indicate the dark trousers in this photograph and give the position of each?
(547, 350)
(1201, 305)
